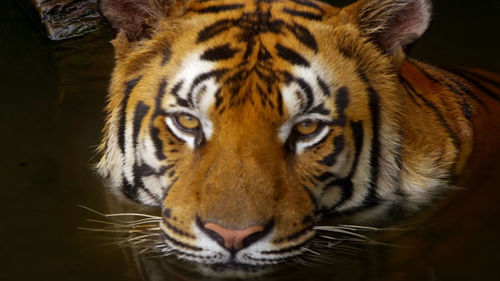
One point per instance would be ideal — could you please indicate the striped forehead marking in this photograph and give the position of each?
(249, 26)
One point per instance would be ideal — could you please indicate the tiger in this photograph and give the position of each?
(250, 122)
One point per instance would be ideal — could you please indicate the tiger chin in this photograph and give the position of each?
(251, 122)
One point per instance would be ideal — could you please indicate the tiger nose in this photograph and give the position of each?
(234, 239)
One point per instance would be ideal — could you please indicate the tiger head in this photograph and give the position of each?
(248, 121)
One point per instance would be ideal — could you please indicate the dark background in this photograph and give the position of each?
(52, 95)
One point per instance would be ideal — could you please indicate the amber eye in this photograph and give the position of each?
(307, 128)
(187, 122)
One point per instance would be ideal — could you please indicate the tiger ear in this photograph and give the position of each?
(392, 24)
(136, 19)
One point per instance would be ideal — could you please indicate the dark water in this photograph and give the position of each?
(50, 121)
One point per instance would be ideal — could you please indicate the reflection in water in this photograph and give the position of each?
(51, 117)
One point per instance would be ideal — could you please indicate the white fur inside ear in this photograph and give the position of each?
(394, 23)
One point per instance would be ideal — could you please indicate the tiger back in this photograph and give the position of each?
(250, 123)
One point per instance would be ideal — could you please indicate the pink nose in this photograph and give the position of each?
(233, 239)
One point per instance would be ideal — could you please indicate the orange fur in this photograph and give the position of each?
(411, 126)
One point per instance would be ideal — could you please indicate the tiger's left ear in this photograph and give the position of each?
(136, 19)
(392, 24)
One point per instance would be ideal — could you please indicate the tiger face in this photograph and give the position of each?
(248, 121)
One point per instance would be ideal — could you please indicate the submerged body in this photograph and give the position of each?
(248, 122)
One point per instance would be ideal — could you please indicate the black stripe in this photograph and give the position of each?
(171, 173)
(175, 90)
(130, 85)
(308, 4)
(167, 54)
(481, 77)
(304, 36)
(424, 72)
(346, 188)
(306, 88)
(466, 108)
(159, 97)
(341, 102)
(167, 188)
(250, 45)
(132, 191)
(155, 136)
(298, 247)
(291, 56)
(223, 52)
(478, 85)
(203, 77)
(141, 110)
(152, 196)
(302, 14)
(219, 8)
(346, 184)
(166, 168)
(218, 98)
(347, 51)
(338, 146)
(128, 189)
(279, 98)
(140, 171)
(155, 132)
(313, 199)
(182, 102)
(464, 89)
(175, 229)
(358, 136)
(412, 96)
(320, 109)
(263, 96)
(180, 244)
(342, 98)
(214, 29)
(263, 54)
(374, 103)
(436, 111)
(324, 87)
(145, 170)
(294, 236)
(167, 213)
(324, 177)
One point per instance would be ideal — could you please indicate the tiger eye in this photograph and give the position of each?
(307, 127)
(188, 122)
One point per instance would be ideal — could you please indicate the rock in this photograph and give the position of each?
(64, 19)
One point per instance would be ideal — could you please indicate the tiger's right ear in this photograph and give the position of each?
(392, 24)
(135, 19)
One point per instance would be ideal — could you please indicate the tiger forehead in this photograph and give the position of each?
(248, 52)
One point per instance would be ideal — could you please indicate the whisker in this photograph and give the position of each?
(359, 227)
(141, 237)
(118, 214)
(140, 232)
(357, 241)
(339, 230)
(370, 228)
(110, 230)
(142, 223)
(310, 251)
